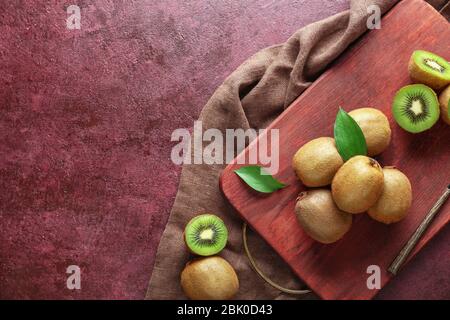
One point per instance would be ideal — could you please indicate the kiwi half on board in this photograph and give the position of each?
(416, 108)
(206, 235)
(429, 68)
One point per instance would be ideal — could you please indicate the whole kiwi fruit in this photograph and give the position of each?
(444, 102)
(317, 161)
(319, 216)
(375, 127)
(358, 184)
(396, 198)
(210, 278)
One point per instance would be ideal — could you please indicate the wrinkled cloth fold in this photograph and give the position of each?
(252, 97)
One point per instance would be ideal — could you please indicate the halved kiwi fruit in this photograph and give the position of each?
(206, 235)
(416, 108)
(429, 69)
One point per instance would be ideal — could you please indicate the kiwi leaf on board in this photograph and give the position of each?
(258, 179)
(348, 136)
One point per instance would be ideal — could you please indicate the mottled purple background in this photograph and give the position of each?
(85, 124)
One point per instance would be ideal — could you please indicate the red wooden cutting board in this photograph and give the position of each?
(368, 74)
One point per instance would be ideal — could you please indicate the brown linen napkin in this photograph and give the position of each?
(252, 97)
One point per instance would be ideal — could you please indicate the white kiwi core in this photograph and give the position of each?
(416, 107)
(434, 65)
(207, 234)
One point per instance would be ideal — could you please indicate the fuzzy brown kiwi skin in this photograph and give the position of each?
(209, 278)
(320, 218)
(317, 161)
(357, 185)
(444, 98)
(396, 198)
(418, 75)
(375, 127)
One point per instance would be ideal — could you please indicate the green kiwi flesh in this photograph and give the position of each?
(416, 108)
(431, 62)
(429, 69)
(206, 235)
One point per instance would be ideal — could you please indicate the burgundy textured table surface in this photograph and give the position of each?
(85, 123)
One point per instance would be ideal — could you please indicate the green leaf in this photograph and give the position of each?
(258, 179)
(349, 137)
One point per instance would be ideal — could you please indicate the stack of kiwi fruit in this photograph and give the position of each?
(208, 277)
(360, 184)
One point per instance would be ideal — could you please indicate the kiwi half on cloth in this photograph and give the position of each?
(206, 235)
(430, 69)
(416, 108)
